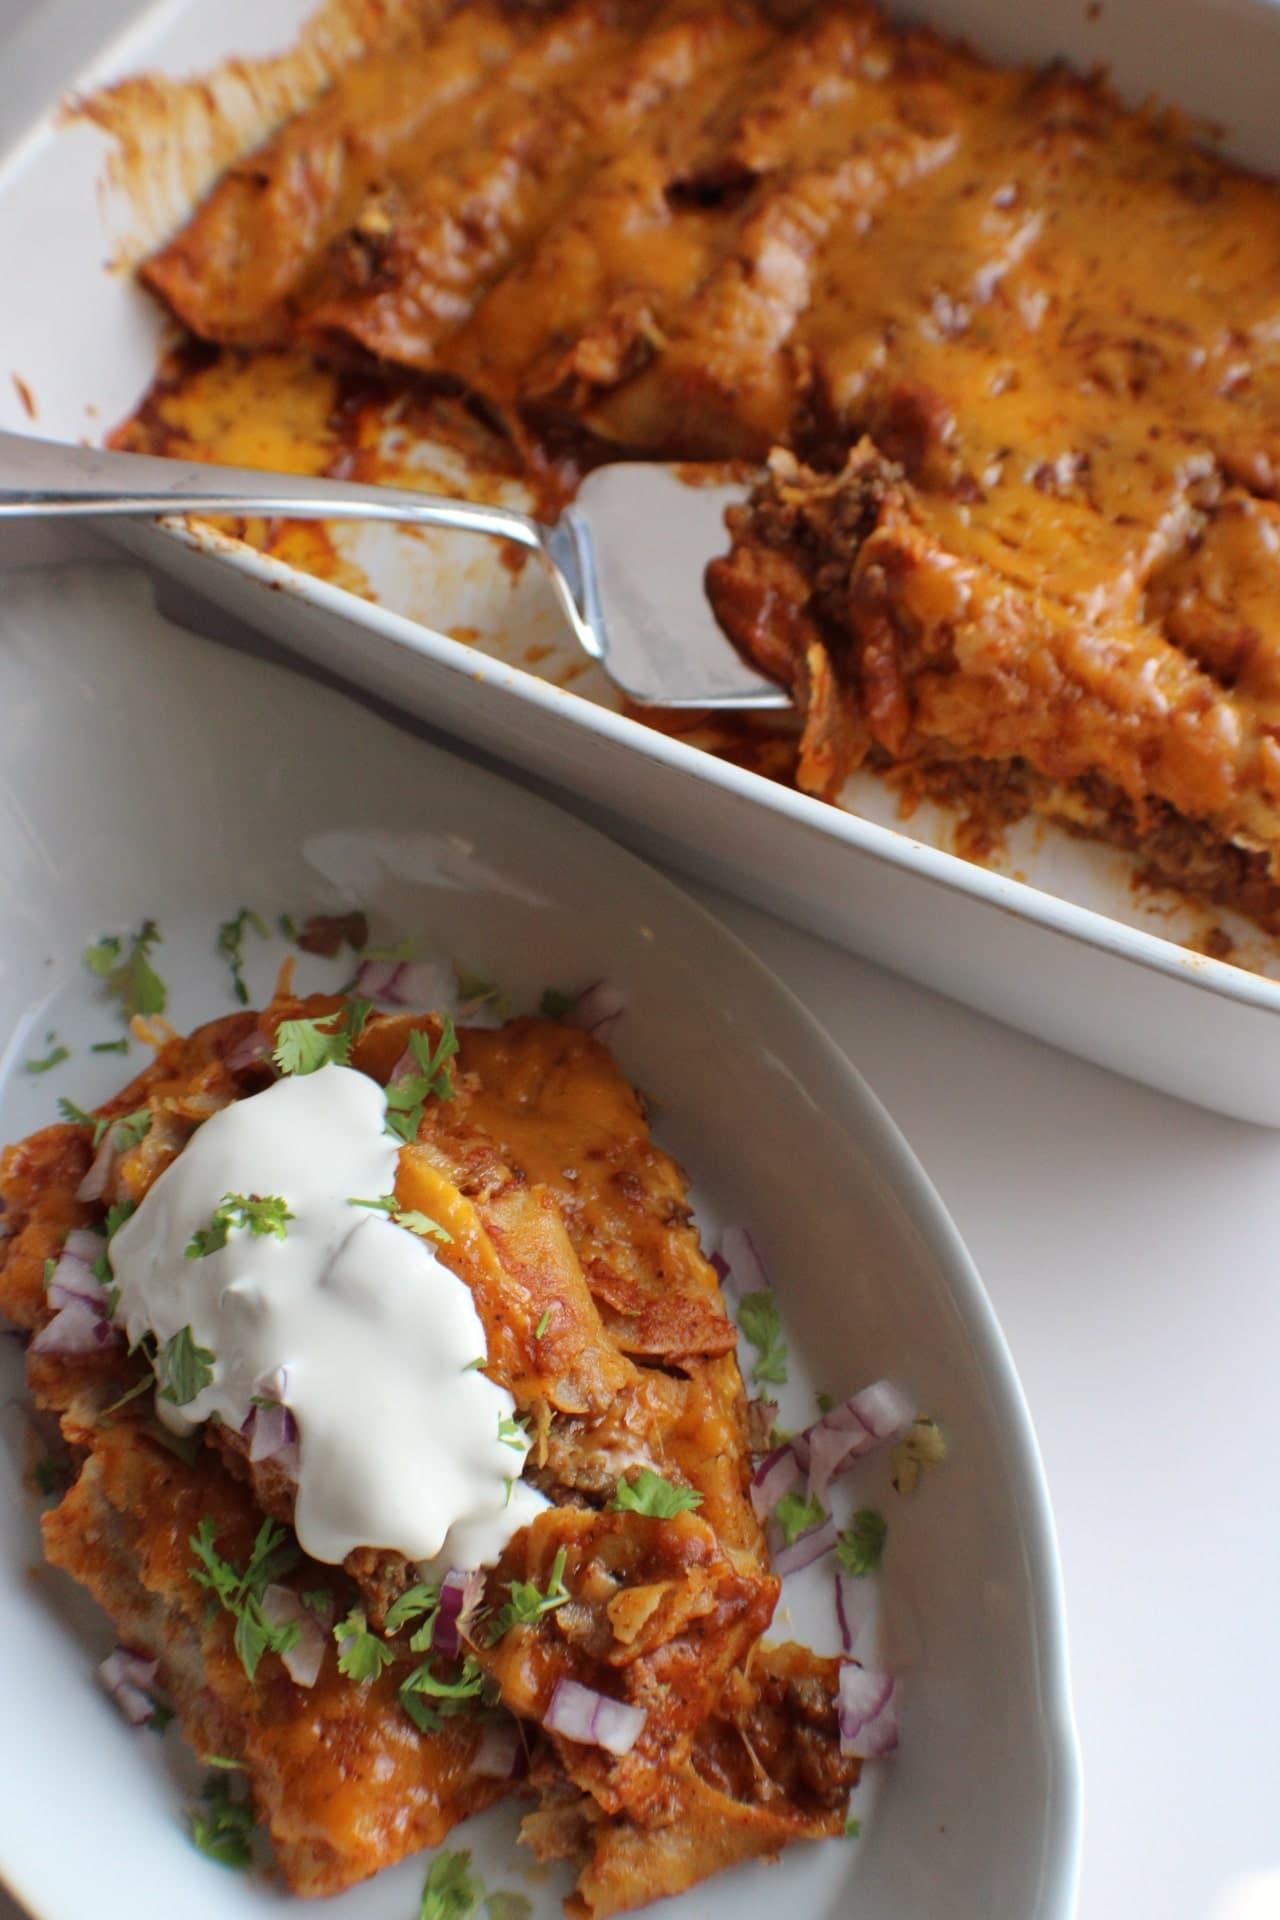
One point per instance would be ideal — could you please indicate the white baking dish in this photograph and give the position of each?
(1072, 953)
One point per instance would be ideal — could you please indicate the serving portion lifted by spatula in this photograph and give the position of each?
(626, 560)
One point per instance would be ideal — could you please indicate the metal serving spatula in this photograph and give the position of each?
(625, 560)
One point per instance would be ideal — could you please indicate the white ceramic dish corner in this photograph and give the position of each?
(1075, 957)
(199, 782)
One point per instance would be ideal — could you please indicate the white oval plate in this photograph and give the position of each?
(146, 773)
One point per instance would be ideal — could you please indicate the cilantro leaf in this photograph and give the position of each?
(528, 1602)
(761, 1323)
(794, 1515)
(860, 1546)
(413, 1604)
(240, 1594)
(260, 1214)
(361, 1655)
(385, 1203)
(825, 1402)
(110, 1046)
(407, 1096)
(57, 1054)
(513, 1433)
(131, 977)
(647, 1492)
(129, 1131)
(76, 1115)
(456, 1694)
(303, 1046)
(475, 991)
(230, 945)
(544, 1321)
(407, 1217)
(508, 1906)
(183, 1369)
(221, 1826)
(853, 1829)
(555, 1004)
(923, 1447)
(450, 1891)
(118, 1214)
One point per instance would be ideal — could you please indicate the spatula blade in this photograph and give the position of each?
(644, 535)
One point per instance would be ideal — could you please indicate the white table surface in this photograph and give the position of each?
(1130, 1246)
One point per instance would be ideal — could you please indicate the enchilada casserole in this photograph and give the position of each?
(1013, 347)
(272, 1575)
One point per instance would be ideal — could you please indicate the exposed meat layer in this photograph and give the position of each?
(602, 1318)
(901, 648)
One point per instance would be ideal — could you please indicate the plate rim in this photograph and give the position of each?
(861, 1117)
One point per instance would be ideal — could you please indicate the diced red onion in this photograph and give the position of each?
(78, 1328)
(868, 1712)
(403, 983)
(71, 1281)
(127, 1676)
(805, 1548)
(761, 1415)
(598, 1009)
(869, 1419)
(254, 1050)
(593, 1719)
(303, 1660)
(460, 1596)
(98, 1179)
(779, 1473)
(270, 1431)
(853, 1607)
(741, 1256)
(498, 1751)
(83, 1244)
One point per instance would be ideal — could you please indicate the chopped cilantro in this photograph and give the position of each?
(407, 1217)
(303, 1046)
(825, 1402)
(508, 1906)
(222, 1760)
(118, 1214)
(230, 945)
(860, 1546)
(361, 1655)
(413, 1604)
(761, 1323)
(513, 1433)
(76, 1115)
(57, 1054)
(475, 991)
(544, 1321)
(422, 1223)
(131, 977)
(455, 1694)
(474, 1366)
(407, 1096)
(129, 1131)
(50, 1475)
(795, 1515)
(287, 925)
(220, 1825)
(316, 1599)
(528, 1602)
(647, 1492)
(111, 1046)
(556, 1004)
(924, 1447)
(261, 1214)
(451, 1891)
(183, 1369)
(160, 1718)
(853, 1829)
(240, 1594)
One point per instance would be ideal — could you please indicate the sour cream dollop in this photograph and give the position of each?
(367, 1336)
